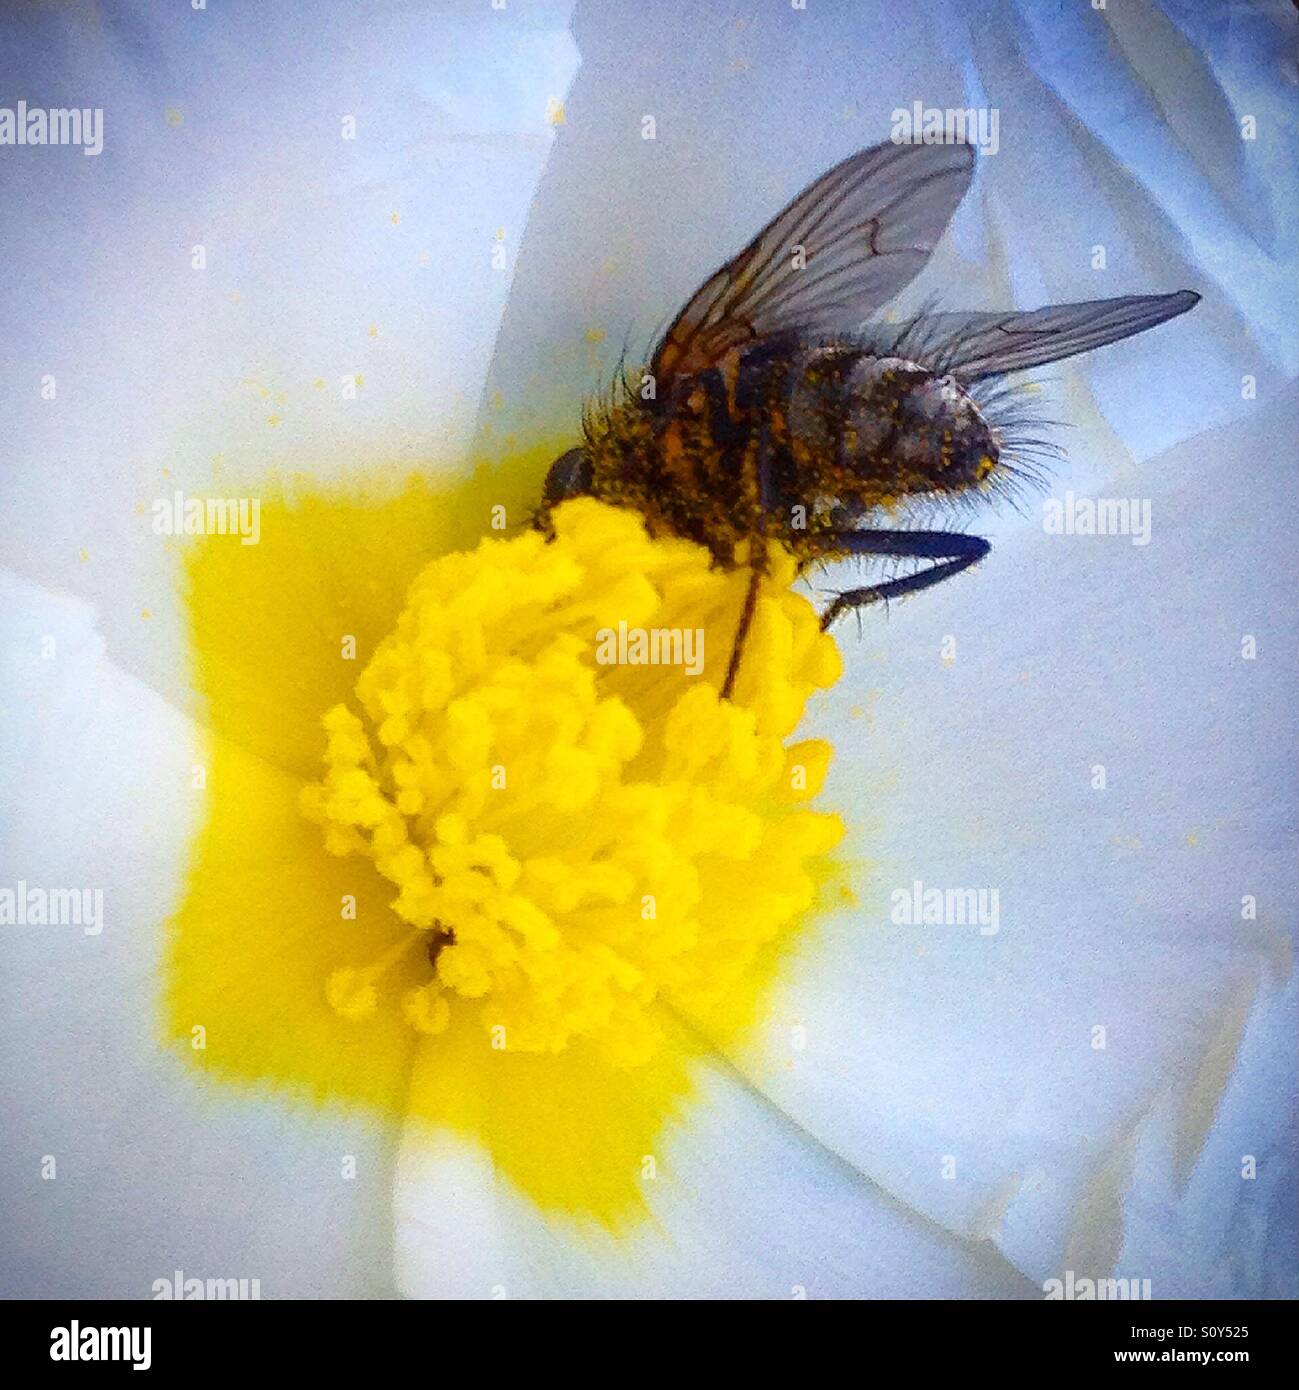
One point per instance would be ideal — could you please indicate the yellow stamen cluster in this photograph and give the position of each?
(579, 841)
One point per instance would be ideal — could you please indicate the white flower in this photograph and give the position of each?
(923, 1111)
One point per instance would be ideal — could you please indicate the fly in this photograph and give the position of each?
(772, 411)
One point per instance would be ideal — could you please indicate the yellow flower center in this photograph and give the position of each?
(577, 827)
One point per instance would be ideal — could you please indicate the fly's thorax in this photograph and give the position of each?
(679, 462)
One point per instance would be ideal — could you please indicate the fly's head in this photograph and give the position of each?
(570, 475)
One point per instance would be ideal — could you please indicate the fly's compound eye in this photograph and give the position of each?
(571, 475)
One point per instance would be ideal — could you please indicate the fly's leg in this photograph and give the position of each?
(741, 632)
(763, 481)
(951, 551)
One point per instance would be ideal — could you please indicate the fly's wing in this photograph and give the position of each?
(866, 227)
(982, 345)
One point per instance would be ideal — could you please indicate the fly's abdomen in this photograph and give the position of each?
(869, 430)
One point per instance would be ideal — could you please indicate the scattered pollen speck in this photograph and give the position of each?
(272, 420)
(174, 116)
(395, 219)
(83, 556)
(1193, 839)
(555, 113)
(423, 258)
(145, 614)
(373, 330)
(319, 383)
(166, 472)
(360, 380)
(139, 509)
(595, 335)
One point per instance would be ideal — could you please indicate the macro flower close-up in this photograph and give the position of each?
(561, 875)
(648, 653)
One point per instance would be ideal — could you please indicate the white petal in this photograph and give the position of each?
(230, 137)
(744, 1205)
(1210, 1209)
(155, 1169)
(326, 258)
(1164, 91)
(1119, 909)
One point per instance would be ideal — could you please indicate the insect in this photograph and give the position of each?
(774, 410)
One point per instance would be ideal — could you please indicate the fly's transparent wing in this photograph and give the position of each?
(982, 345)
(866, 228)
